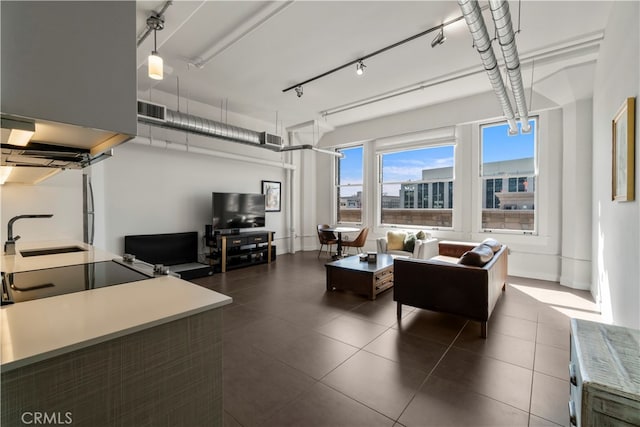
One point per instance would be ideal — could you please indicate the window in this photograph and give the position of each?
(508, 172)
(349, 175)
(492, 186)
(417, 187)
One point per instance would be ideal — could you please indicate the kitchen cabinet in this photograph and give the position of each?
(72, 63)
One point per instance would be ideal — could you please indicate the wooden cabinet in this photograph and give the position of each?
(604, 374)
(240, 250)
(362, 277)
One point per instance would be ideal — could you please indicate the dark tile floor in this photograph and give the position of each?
(295, 355)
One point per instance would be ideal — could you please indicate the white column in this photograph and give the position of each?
(576, 192)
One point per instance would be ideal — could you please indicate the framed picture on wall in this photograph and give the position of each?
(272, 193)
(623, 142)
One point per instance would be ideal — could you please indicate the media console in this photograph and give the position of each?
(229, 251)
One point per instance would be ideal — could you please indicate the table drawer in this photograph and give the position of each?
(257, 239)
(383, 275)
(233, 241)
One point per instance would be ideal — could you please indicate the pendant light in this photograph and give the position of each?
(155, 23)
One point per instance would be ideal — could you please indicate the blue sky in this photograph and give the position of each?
(498, 145)
(351, 166)
(408, 165)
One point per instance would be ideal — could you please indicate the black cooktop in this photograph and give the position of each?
(48, 282)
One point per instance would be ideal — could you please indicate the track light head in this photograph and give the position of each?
(439, 39)
(299, 91)
(360, 68)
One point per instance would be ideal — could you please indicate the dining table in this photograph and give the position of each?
(339, 229)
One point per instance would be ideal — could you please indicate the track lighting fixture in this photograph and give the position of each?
(155, 23)
(439, 39)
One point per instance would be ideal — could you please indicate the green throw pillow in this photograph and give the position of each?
(421, 235)
(409, 242)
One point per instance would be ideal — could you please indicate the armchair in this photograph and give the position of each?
(423, 248)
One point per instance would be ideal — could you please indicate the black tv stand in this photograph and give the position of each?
(229, 251)
(227, 232)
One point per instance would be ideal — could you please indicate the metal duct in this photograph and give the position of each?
(178, 120)
(475, 22)
(507, 38)
(160, 115)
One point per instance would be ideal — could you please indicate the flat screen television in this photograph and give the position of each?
(237, 210)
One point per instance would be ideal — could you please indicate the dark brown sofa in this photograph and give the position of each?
(441, 284)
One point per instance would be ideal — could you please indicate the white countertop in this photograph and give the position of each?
(36, 330)
(16, 263)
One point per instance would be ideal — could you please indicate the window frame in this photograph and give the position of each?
(536, 176)
(414, 146)
(337, 185)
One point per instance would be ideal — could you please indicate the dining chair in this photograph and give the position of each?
(326, 238)
(358, 242)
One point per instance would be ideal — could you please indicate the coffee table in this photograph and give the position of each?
(362, 277)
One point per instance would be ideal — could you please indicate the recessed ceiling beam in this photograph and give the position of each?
(247, 27)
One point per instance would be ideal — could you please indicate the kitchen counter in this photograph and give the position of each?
(32, 331)
(144, 352)
(36, 330)
(17, 263)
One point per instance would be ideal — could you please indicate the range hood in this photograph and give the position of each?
(75, 94)
(58, 145)
(52, 148)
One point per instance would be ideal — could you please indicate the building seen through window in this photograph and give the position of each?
(417, 187)
(349, 176)
(508, 174)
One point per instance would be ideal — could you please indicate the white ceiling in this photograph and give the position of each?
(259, 48)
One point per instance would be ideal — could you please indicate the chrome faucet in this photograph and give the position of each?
(10, 244)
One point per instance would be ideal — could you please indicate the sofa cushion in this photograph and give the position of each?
(409, 242)
(478, 256)
(395, 240)
(493, 244)
(398, 253)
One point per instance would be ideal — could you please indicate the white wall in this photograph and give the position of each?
(60, 195)
(531, 256)
(149, 188)
(616, 225)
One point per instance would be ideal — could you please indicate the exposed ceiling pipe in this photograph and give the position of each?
(179, 146)
(202, 126)
(587, 46)
(482, 42)
(312, 148)
(507, 38)
(149, 28)
(158, 115)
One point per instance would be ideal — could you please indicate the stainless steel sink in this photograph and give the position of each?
(51, 251)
